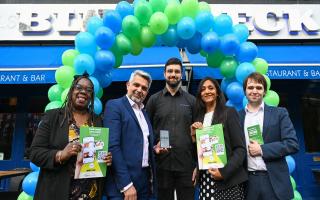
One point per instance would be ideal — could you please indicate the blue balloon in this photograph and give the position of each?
(210, 42)
(34, 167)
(291, 163)
(225, 82)
(85, 43)
(235, 92)
(170, 38)
(237, 106)
(93, 24)
(244, 70)
(112, 19)
(97, 106)
(105, 37)
(186, 28)
(104, 61)
(229, 45)
(181, 43)
(105, 79)
(124, 8)
(241, 31)
(194, 44)
(96, 85)
(244, 101)
(204, 22)
(247, 52)
(84, 63)
(30, 182)
(222, 24)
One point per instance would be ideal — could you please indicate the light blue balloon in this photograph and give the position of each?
(85, 43)
(241, 31)
(244, 70)
(210, 42)
(112, 19)
(104, 61)
(93, 24)
(105, 37)
(84, 63)
(222, 24)
(235, 92)
(204, 22)
(124, 8)
(97, 106)
(96, 85)
(30, 182)
(170, 37)
(186, 28)
(291, 163)
(247, 52)
(34, 167)
(229, 44)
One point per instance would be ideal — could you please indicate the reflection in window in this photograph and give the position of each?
(311, 122)
(33, 120)
(7, 124)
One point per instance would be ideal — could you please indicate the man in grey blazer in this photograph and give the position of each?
(268, 171)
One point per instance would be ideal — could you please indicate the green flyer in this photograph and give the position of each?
(255, 134)
(211, 147)
(94, 141)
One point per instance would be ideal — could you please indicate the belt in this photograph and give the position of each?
(258, 172)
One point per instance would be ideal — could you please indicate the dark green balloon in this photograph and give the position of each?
(214, 59)
(123, 44)
(228, 67)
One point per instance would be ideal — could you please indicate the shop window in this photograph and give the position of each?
(311, 122)
(7, 125)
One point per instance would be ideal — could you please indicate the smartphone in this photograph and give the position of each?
(164, 139)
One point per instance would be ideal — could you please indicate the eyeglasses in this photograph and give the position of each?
(86, 89)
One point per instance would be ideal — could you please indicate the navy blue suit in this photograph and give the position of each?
(280, 140)
(126, 146)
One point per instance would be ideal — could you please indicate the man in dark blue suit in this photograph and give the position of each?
(268, 171)
(131, 143)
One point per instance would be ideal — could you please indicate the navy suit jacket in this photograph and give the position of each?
(126, 146)
(280, 140)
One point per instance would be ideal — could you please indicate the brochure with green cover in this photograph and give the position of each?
(211, 147)
(94, 141)
(254, 133)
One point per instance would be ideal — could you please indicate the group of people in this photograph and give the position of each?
(141, 168)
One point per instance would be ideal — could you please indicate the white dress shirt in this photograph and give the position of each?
(251, 119)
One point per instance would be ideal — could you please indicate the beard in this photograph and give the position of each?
(174, 84)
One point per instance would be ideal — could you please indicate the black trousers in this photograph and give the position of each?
(168, 181)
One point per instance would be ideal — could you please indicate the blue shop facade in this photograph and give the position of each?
(27, 70)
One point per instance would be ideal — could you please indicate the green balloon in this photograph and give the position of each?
(68, 57)
(136, 47)
(143, 12)
(64, 95)
(54, 92)
(24, 196)
(148, 39)
(204, 7)
(293, 183)
(123, 44)
(100, 93)
(190, 8)
(214, 59)
(64, 76)
(173, 12)
(158, 5)
(268, 82)
(297, 195)
(119, 59)
(261, 65)
(158, 23)
(203, 53)
(272, 98)
(228, 67)
(131, 26)
(53, 105)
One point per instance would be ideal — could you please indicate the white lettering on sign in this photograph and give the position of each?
(284, 73)
(9, 78)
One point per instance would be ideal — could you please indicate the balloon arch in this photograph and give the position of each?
(131, 27)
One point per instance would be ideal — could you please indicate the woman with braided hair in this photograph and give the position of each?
(56, 145)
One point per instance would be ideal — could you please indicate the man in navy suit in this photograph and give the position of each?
(131, 142)
(268, 171)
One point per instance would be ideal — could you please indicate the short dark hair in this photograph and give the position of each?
(257, 77)
(173, 61)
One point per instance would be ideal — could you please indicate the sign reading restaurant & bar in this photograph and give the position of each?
(36, 22)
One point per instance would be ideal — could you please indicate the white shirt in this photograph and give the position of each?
(251, 119)
(207, 120)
